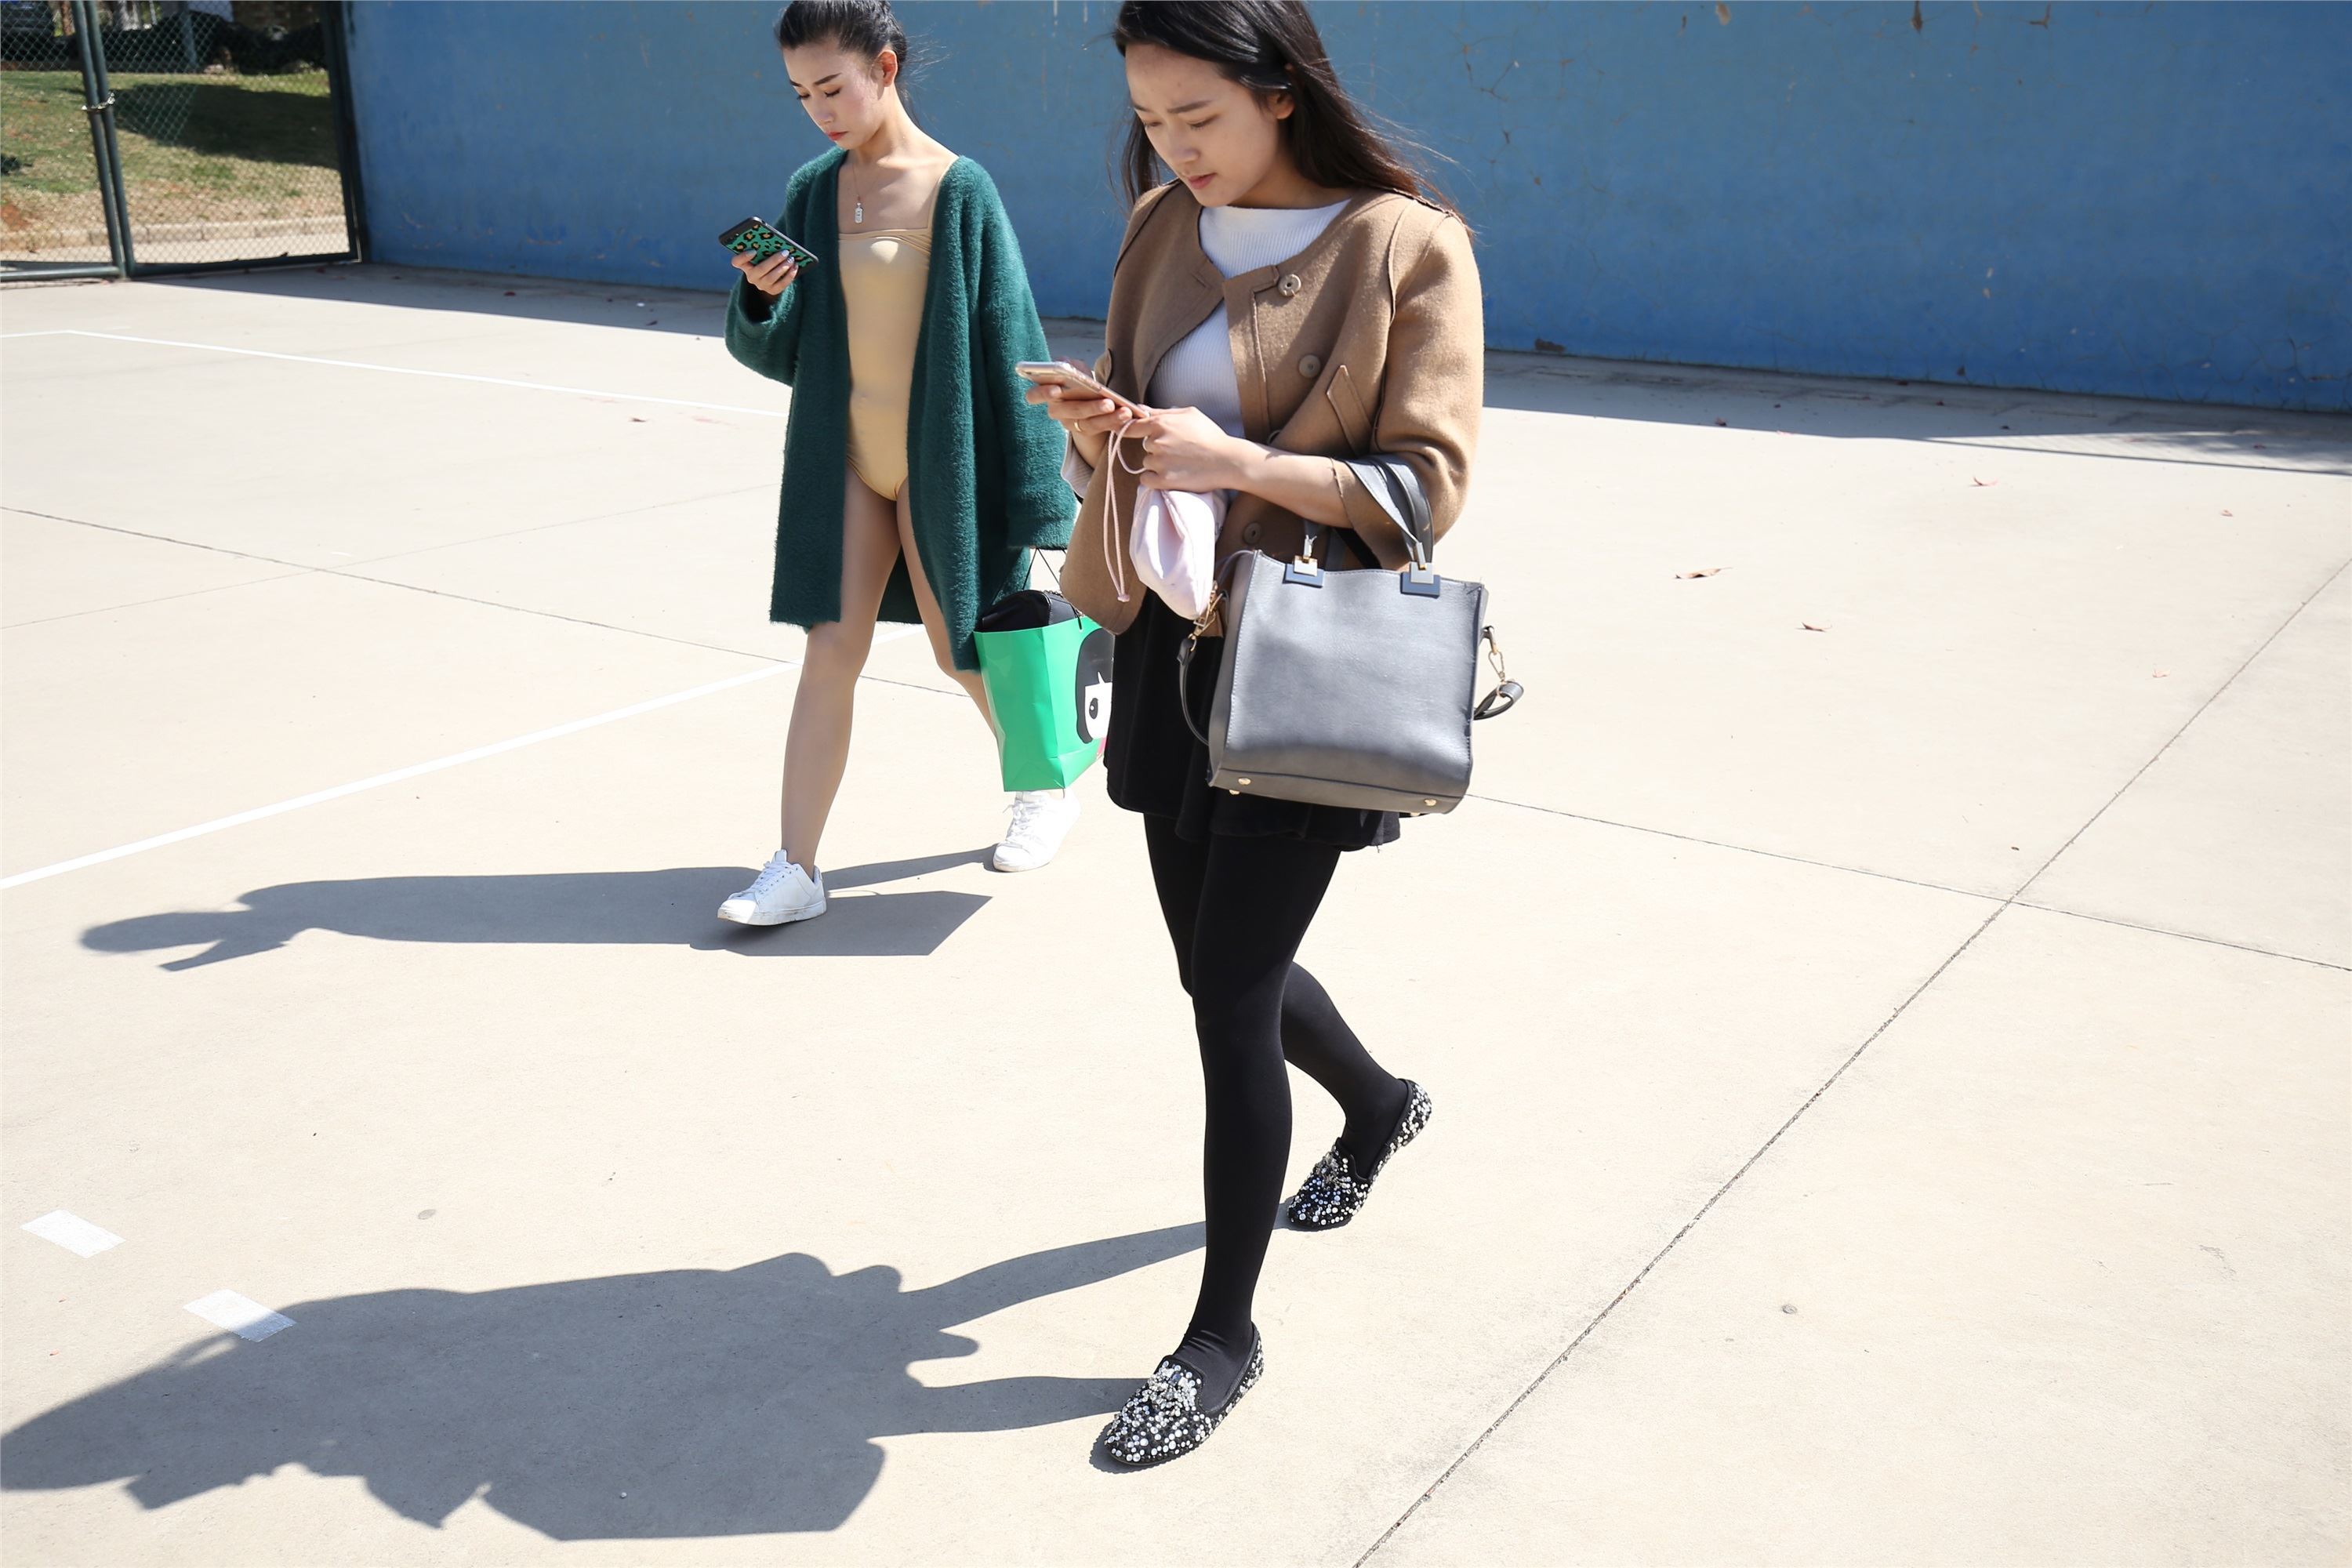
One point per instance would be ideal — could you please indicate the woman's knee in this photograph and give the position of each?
(837, 651)
(1230, 1021)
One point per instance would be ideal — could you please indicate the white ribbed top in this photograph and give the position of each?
(1199, 371)
(1243, 239)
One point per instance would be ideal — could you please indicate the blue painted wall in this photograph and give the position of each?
(2147, 200)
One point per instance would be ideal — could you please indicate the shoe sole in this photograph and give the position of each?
(753, 918)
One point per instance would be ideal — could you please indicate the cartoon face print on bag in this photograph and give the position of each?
(1094, 684)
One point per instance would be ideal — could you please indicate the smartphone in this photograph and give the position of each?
(755, 238)
(1061, 372)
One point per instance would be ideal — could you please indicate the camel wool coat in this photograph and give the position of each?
(1370, 340)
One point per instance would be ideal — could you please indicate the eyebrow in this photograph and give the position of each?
(820, 81)
(1180, 109)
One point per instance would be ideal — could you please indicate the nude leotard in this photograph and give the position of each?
(883, 274)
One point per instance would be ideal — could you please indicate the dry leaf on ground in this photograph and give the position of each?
(1811, 628)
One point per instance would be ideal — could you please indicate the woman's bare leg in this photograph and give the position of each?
(934, 622)
(816, 749)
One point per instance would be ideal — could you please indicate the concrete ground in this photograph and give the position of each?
(1886, 1005)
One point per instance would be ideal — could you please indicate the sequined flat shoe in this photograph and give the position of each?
(1163, 1419)
(1331, 1195)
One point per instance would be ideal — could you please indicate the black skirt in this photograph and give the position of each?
(1154, 765)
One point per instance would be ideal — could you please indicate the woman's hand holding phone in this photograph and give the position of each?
(770, 277)
(1090, 419)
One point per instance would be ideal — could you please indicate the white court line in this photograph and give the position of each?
(240, 1315)
(73, 1233)
(318, 797)
(412, 370)
(435, 765)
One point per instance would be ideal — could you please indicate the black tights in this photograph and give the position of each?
(1237, 909)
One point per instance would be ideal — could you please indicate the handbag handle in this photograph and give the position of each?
(1396, 485)
(1401, 495)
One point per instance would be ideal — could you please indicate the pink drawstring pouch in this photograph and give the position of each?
(1174, 546)
(1173, 541)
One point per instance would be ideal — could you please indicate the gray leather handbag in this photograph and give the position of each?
(1352, 689)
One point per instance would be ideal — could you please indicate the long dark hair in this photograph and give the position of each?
(862, 28)
(1271, 46)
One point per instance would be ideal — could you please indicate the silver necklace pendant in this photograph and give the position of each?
(858, 214)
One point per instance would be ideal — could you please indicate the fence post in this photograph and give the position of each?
(98, 107)
(335, 17)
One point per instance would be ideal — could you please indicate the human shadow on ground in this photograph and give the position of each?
(697, 311)
(665, 908)
(687, 1403)
(1983, 417)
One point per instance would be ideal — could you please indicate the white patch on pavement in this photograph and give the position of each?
(74, 1233)
(245, 1317)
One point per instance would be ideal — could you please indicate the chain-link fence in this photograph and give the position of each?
(154, 135)
(53, 202)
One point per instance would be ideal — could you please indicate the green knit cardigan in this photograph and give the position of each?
(984, 466)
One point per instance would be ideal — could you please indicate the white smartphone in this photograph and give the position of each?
(1070, 377)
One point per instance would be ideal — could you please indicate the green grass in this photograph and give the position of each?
(195, 148)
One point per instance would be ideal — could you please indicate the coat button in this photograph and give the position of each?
(1310, 367)
(1290, 286)
(1251, 535)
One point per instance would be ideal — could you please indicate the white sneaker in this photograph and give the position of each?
(1042, 819)
(780, 893)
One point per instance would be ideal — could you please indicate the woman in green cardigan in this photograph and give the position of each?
(916, 476)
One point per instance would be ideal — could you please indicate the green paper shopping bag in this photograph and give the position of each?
(1047, 670)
